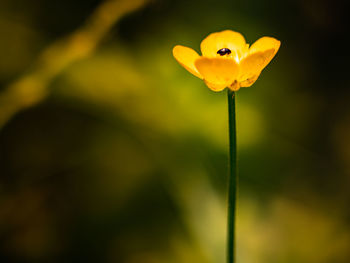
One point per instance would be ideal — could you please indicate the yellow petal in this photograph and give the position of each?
(224, 39)
(251, 66)
(249, 82)
(215, 87)
(263, 44)
(186, 57)
(218, 71)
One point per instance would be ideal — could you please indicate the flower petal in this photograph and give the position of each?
(186, 57)
(249, 82)
(264, 44)
(215, 87)
(218, 71)
(251, 66)
(224, 39)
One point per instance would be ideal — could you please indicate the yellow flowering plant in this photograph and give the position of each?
(227, 61)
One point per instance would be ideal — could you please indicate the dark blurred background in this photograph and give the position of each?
(111, 152)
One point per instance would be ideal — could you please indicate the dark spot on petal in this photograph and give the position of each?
(224, 51)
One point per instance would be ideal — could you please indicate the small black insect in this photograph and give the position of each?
(224, 51)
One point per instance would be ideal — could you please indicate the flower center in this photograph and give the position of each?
(224, 51)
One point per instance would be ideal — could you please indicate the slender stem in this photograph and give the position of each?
(232, 178)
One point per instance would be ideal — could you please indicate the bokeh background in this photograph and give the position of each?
(112, 152)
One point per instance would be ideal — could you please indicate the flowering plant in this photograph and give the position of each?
(228, 61)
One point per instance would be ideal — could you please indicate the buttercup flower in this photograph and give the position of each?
(227, 60)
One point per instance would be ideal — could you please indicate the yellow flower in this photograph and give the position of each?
(227, 60)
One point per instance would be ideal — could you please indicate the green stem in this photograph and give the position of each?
(232, 178)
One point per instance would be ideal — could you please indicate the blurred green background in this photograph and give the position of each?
(111, 152)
